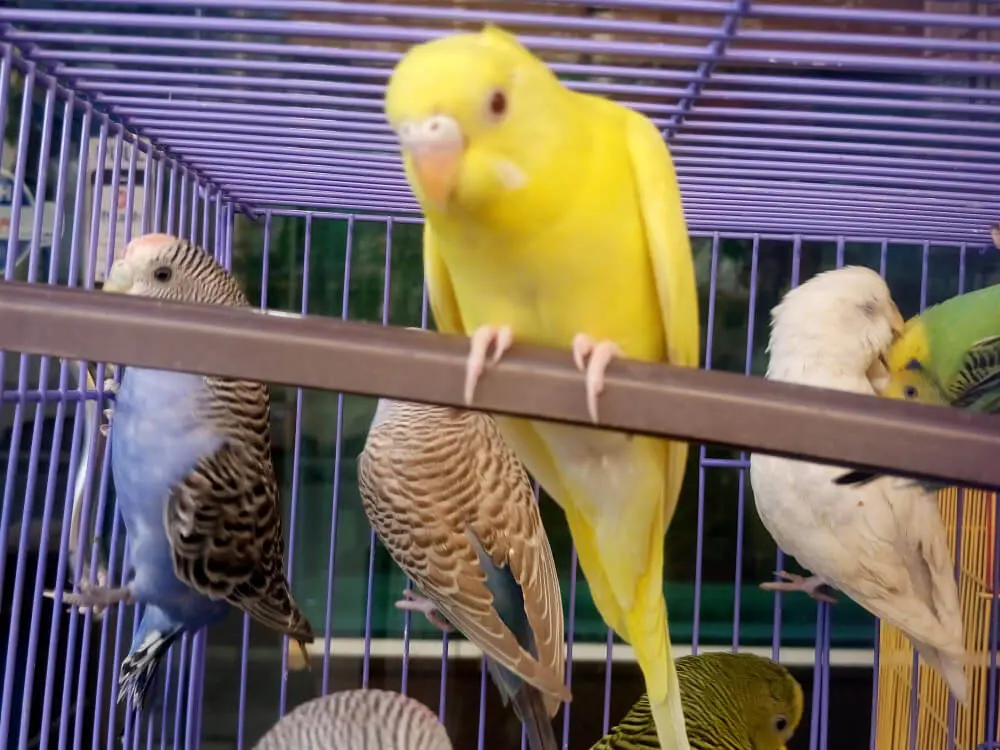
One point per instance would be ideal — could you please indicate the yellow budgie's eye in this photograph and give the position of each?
(498, 104)
(780, 723)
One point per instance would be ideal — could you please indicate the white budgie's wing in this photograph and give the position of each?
(929, 559)
(428, 502)
(860, 543)
(224, 520)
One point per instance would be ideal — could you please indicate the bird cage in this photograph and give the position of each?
(806, 134)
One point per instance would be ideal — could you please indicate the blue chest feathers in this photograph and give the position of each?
(158, 435)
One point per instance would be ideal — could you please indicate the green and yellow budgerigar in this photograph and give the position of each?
(948, 355)
(731, 702)
(554, 218)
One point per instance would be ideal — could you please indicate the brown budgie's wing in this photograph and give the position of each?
(224, 521)
(420, 487)
(509, 526)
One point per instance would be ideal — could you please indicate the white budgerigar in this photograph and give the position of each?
(883, 544)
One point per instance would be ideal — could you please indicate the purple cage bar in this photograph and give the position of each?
(245, 107)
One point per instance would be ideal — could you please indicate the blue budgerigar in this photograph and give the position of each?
(191, 459)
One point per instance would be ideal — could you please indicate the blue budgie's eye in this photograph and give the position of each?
(163, 274)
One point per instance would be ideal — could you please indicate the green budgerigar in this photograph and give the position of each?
(731, 702)
(948, 355)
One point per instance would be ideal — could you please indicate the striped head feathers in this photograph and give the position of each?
(162, 266)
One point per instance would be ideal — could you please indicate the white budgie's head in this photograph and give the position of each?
(166, 267)
(837, 324)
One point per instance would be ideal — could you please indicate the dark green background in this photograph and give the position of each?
(732, 319)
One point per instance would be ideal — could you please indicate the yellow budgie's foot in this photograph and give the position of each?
(600, 355)
(792, 582)
(416, 603)
(501, 338)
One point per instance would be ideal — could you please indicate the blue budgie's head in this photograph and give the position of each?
(166, 267)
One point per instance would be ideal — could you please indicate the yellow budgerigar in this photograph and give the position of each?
(554, 218)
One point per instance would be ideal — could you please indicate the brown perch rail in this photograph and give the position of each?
(368, 359)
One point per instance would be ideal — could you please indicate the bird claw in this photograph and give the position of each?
(501, 338)
(415, 603)
(111, 387)
(592, 358)
(96, 597)
(793, 582)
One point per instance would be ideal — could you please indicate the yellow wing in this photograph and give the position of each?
(440, 291)
(673, 266)
(667, 237)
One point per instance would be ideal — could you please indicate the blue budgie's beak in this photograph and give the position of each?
(120, 278)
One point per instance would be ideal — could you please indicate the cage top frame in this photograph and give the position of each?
(783, 117)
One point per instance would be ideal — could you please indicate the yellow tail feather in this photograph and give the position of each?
(644, 627)
(667, 713)
(621, 551)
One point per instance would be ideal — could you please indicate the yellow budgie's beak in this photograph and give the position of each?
(435, 146)
(119, 279)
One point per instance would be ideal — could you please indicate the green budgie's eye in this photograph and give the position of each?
(163, 274)
(910, 391)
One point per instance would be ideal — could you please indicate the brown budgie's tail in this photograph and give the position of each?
(529, 706)
(278, 611)
(300, 629)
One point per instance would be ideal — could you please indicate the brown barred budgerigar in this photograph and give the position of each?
(456, 511)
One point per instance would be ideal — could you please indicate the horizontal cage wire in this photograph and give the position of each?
(806, 136)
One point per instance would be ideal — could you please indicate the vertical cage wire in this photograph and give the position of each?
(85, 705)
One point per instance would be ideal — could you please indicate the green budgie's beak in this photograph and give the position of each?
(119, 280)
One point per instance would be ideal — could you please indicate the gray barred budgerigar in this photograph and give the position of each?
(358, 720)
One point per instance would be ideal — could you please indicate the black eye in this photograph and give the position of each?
(163, 274)
(910, 391)
(780, 724)
(498, 104)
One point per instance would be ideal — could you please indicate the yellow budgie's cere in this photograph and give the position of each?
(554, 218)
(731, 702)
